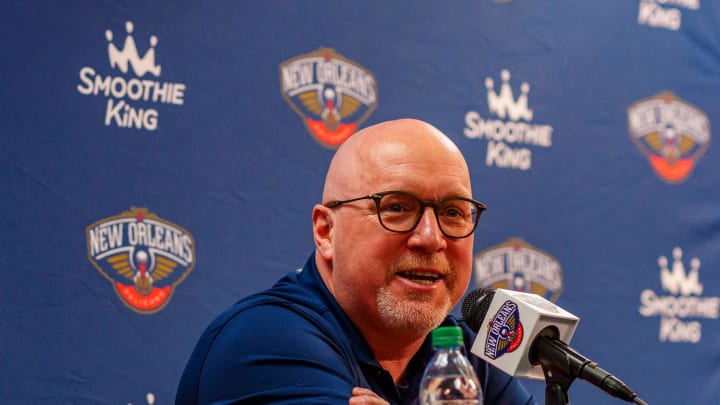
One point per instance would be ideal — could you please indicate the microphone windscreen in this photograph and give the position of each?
(475, 307)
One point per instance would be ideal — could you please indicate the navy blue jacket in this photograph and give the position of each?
(293, 344)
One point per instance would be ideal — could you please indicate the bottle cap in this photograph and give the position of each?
(447, 336)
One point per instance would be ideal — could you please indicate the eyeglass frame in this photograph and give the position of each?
(376, 197)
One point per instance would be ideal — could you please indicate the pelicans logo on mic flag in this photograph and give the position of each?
(505, 331)
(332, 94)
(143, 256)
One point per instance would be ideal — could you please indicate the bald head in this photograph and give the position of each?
(382, 149)
(377, 275)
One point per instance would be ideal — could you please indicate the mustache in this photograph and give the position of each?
(422, 261)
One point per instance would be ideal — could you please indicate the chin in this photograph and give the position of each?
(413, 314)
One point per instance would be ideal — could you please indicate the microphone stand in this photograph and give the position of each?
(556, 386)
(561, 365)
(555, 365)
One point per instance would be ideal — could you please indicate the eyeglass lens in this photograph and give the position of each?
(401, 212)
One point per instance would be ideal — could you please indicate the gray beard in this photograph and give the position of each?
(415, 314)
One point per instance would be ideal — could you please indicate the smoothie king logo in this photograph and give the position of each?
(143, 256)
(683, 303)
(672, 133)
(508, 135)
(505, 331)
(332, 94)
(517, 265)
(121, 91)
(663, 13)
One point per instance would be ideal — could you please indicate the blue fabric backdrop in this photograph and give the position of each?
(160, 161)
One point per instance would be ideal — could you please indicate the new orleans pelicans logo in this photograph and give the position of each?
(143, 256)
(505, 331)
(519, 266)
(672, 133)
(333, 95)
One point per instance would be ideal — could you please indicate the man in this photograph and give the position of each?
(393, 256)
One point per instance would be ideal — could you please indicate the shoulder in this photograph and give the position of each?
(274, 325)
(292, 311)
(269, 346)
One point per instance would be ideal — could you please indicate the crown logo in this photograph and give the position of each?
(120, 59)
(504, 103)
(676, 281)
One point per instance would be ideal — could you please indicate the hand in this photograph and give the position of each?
(364, 396)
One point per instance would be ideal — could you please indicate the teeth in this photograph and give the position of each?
(421, 277)
(426, 274)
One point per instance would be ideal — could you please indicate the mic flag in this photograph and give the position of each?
(521, 334)
(507, 322)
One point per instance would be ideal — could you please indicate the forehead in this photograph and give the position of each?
(403, 155)
(426, 171)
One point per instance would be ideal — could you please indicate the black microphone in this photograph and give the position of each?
(524, 334)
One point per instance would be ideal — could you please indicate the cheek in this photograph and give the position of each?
(463, 262)
(360, 248)
(363, 238)
(370, 257)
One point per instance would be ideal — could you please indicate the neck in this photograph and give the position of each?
(393, 350)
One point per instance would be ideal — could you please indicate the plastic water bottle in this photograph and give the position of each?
(449, 378)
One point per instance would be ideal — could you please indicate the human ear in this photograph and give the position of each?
(322, 218)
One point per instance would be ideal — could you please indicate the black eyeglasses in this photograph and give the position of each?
(400, 211)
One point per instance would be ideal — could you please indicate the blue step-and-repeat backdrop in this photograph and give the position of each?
(160, 160)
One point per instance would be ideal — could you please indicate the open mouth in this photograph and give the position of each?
(421, 277)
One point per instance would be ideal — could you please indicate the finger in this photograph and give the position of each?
(363, 391)
(364, 396)
(367, 400)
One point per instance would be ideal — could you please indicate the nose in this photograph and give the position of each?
(427, 235)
